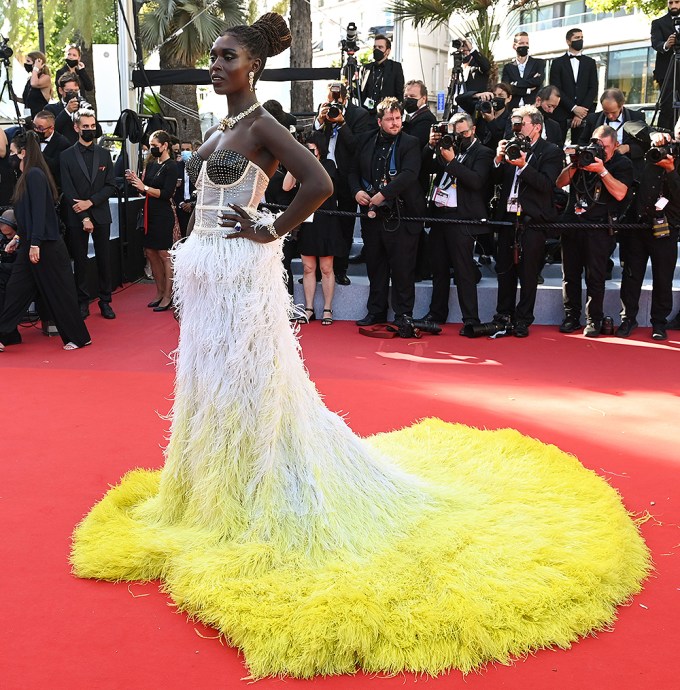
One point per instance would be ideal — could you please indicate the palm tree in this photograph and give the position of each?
(201, 21)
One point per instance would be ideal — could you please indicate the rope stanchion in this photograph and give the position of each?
(481, 221)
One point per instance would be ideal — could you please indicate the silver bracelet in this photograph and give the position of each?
(265, 219)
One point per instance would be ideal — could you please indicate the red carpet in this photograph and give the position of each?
(74, 422)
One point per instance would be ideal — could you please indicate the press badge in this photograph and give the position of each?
(661, 203)
(445, 197)
(513, 205)
(369, 103)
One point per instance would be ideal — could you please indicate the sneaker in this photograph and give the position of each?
(592, 329)
(659, 332)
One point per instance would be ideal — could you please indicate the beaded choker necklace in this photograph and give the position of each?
(229, 122)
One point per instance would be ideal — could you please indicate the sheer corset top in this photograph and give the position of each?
(226, 177)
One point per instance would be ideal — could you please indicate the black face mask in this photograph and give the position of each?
(88, 135)
(155, 151)
(522, 51)
(410, 105)
(15, 162)
(577, 45)
(378, 55)
(467, 58)
(42, 135)
(72, 63)
(28, 67)
(464, 143)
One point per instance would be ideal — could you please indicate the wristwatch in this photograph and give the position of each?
(146, 189)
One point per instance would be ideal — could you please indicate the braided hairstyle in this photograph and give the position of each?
(267, 37)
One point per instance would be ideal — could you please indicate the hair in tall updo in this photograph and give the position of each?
(267, 37)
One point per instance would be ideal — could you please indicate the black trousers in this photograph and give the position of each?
(531, 259)
(453, 245)
(587, 250)
(641, 246)
(77, 240)
(13, 337)
(346, 202)
(390, 255)
(51, 278)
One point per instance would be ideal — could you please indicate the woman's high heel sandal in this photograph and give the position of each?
(310, 315)
(327, 320)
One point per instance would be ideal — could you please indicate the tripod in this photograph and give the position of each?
(456, 81)
(669, 91)
(349, 73)
(10, 91)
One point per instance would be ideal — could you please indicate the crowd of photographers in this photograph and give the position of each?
(519, 169)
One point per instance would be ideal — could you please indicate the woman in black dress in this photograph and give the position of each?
(321, 238)
(160, 180)
(38, 90)
(42, 266)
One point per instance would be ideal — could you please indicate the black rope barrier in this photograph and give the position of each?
(479, 221)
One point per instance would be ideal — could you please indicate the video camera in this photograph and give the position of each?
(494, 105)
(5, 51)
(658, 153)
(349, 43)
(583, 156)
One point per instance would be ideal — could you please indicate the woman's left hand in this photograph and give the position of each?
(241, 219)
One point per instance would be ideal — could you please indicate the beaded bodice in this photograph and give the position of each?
(226, 177)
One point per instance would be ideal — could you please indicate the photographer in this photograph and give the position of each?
(9, 243)
(384, 181)
(340, 121)
(526, 166)
(658, 204)
(75, 66)
(461, 191)
(525, 73)
(470, 68)
(664, 38)
(491, 112)
(70, 101)
(383, 78)
(599, 180)
(418, 121)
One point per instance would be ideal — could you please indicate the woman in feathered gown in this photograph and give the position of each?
(312, 550)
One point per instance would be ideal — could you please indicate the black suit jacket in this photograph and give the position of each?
(536, 182)
(392, 82)
(82, 74)
(419, 126)
(478, 77)
(359, 119)
(179, 191)
(404, 185)
(63, 122)
(473, 181)
(37, 218)
(96, 184)
(524, 87)
(583, 92)
(637, 151)
(662, 28)
(52, 153)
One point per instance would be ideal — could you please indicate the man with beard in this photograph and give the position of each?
(665, 42)
(525, 73)
(383, 78)
(384, 180)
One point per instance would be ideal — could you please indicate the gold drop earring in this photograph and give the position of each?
(251, 80)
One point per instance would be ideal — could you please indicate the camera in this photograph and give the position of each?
(494, 105)
(516, 146)
(333, 109)
(5, 51)
(447, 131)
(408, 327)
(583, 156)
(382, 211)
(658, 153)
(457, 43)
(349, 43)
(70, 95)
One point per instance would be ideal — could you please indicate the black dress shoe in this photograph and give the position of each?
(84, 311)
(431, 317)
(107, 312)
(626, 328)
(165, 308)
(570, 324)
(659, 332)
(371, 320)
(467, 330)
(342, 279)
(521, 330)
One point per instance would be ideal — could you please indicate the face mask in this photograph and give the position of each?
(88, 135)
(522, 51)
(28, 67)
(464, 143)
(378, 55)
(72, 63)
(577, 45)
(15, 162)
(410, 105)
(155, 151)
(186, 155)
(467, 58)
(43, 135)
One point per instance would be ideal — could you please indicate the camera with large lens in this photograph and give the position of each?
(492, 329)
(658, 153)
(349, 43)
(5, 51)
(516, 146)
(336, 95)
(447, 132)
(583, 156)
(493, 105)
(457, 43)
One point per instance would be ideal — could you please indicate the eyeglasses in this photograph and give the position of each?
(42, 130)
